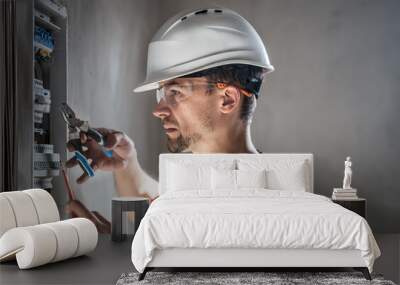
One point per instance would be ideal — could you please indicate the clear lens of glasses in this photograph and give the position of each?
(174, 93)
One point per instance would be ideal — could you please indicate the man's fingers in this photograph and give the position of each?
(94, 165)
(105, 131)
(83, 137)
(71, 162)
(86, 153)
(113, 139)
(72, 145)
(112, 163)
(84, 177)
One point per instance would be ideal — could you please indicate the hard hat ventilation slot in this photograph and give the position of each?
(201, 12)
(204, 11)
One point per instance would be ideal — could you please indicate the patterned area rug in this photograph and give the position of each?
(229, 278)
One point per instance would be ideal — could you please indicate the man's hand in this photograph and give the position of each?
(76, 209)
(122, 146)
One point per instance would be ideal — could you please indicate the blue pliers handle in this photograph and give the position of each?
(82, 160)
(99, 138)
(84, 163)
(108, 153)
(75, 126)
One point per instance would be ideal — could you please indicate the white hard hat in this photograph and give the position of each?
(201, 39)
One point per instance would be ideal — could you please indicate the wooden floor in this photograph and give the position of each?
(110, 260)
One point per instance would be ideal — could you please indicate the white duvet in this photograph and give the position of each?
(251, 218)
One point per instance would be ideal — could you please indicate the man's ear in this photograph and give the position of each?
(230, 99)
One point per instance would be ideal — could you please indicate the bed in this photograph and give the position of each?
(247, 211)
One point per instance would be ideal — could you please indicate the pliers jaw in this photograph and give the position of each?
(69, 115)
(75, 126)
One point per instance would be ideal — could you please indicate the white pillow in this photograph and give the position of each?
(281, 174)
(287, 179)
(251, 178)
(226, 179)
(181, 177)
(223, 179)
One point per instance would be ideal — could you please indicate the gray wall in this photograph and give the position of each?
(107, 56)
(335, 91)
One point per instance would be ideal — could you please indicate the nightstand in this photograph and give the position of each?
(358, 205)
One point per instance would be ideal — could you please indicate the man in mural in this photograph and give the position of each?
(206, 67)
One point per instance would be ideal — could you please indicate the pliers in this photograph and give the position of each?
(75, 127)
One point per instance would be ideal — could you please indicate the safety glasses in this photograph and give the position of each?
(174, 93)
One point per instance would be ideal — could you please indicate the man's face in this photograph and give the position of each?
(187, 112)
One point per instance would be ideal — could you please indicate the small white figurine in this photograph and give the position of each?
(347, 173)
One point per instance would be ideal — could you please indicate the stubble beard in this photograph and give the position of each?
(182, 143)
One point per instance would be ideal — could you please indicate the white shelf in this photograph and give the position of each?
(52, 8)
(46, 24)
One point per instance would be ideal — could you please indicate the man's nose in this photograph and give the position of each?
(161, 110)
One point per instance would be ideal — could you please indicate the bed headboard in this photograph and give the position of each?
(218, 158)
